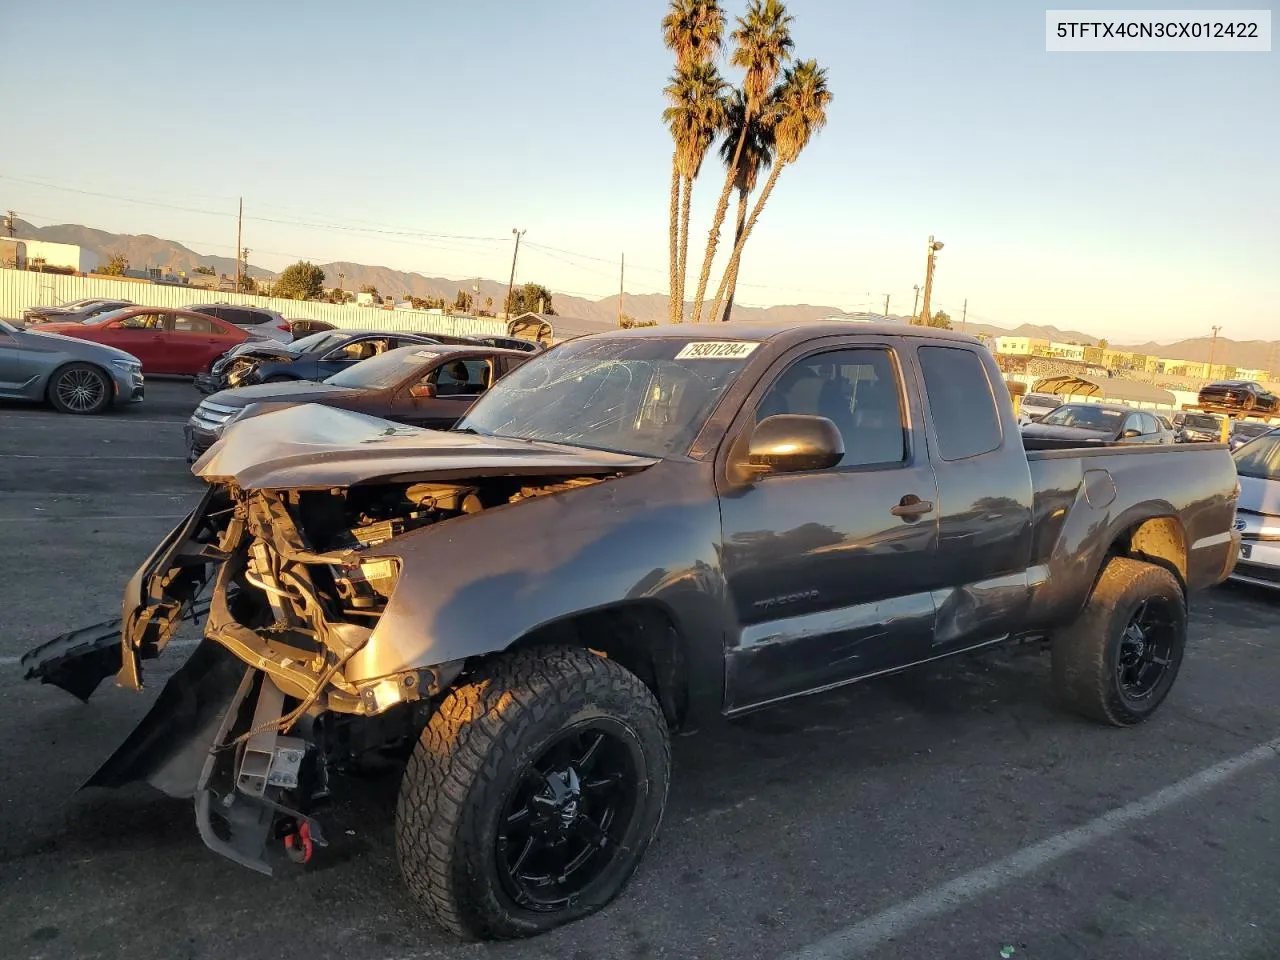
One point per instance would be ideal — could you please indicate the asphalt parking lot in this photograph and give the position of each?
(949, 813)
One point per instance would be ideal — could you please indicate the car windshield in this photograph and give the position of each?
(1040, 400)
(7, 327)
(106, 317)
(315, 341)
(1201, 422)
(1260, 459)
(1087, 416)
(384, 370)
(1251, 429)
(646, 396)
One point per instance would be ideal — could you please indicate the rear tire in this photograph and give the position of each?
(1119, 660)
(548, 758)
(80, 388)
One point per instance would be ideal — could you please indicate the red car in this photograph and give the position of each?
(165, 340)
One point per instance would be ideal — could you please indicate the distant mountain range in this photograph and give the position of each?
(145, 250)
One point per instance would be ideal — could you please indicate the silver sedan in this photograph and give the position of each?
(75, 376)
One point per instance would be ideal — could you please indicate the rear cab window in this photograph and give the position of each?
(966, 420)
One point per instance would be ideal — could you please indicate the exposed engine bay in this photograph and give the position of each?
(293, 583)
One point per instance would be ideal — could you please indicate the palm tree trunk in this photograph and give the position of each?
(746, 232)
(684, 248)
(722, 208)
(674, 263)
(730, 269)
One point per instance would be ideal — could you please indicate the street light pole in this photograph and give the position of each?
(916, 305)
(934, 247)
(511, 284)
(1213, 349)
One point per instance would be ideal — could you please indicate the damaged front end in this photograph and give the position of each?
(292, 583)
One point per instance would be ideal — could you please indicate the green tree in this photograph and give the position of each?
(301, 281)
(629, 321)
(693, 30)
(202, 270)
(531, 298)
(799, 111)
(462, 301)
(369, 288)
(762, 45)
(1102, 344)
(940, 319)
(116, 265)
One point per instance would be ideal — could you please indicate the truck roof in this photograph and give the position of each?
(788, 333)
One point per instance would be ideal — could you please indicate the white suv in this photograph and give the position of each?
(265, 323)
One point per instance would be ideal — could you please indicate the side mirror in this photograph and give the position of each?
(1130, 434)
(788, 443)
(422, 391)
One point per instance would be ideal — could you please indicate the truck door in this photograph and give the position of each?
(830, 577)
(984, 498)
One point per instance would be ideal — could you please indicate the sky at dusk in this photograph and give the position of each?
(1133, 196)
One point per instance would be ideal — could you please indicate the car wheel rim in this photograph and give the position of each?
(1147, 648)
(565, 822)
(80, 390)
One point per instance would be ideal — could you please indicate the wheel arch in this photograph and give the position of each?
(75, 361)
(643, 635)
(1157, 538)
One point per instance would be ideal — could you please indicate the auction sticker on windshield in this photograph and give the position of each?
(716, 350)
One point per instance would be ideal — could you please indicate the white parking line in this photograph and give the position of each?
(72, 456)
(54, 418)
(145, 516)
(861, 937)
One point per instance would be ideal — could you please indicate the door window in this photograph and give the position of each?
(462, 378)
(855, 389)
(189, 323)
(142, 321)
(358, 350)
(966, 420)
(1150, 425)
(1132, 422)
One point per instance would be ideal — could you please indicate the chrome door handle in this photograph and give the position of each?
(911, 506)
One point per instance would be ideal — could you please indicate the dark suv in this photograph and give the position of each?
(257, 320)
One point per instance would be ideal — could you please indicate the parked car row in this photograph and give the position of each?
(74, 375)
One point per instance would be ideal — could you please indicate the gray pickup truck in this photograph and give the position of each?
(633, 533)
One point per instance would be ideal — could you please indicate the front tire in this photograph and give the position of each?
(1118, 661)
(532, 794)
(80, 388)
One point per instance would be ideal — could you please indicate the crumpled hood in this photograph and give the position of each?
(315, 447)
(1042, 432)
(260, 350)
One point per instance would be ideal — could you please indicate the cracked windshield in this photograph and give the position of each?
(693, 479)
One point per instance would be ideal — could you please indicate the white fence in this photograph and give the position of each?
(20, 289)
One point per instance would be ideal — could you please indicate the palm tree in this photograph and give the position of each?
(756, 155)
(693, 30)
(801, 103)
(762, 44)
(696, 115)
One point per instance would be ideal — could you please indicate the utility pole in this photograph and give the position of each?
(8, 222)
(1213, 349)
(239, 227)
(886, 305)
(244, 257)
(511, 284)
(915, 306)
(964, 312)
(934, 247)
(622, 273)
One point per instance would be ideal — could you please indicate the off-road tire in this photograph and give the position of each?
(1085, 654)
(81, 370)
(468, 759)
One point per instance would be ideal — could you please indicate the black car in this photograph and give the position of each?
(510, 343)
(1200, 428)
(315, 357)
(1240, 395)
(1104, 423)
